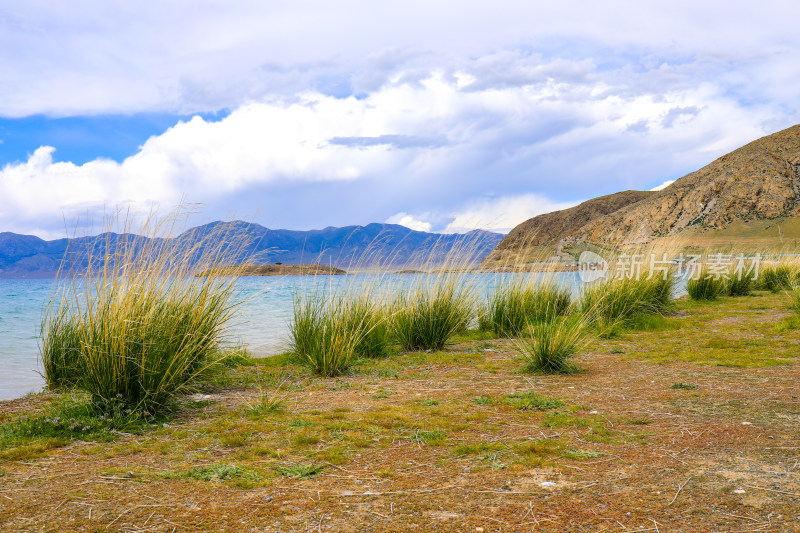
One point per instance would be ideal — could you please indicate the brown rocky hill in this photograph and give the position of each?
(751, 186)
(539, 236)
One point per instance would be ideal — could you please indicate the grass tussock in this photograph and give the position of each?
(550, 346)
(138, 325)
(738, 285)
(778, 277)
(607, 303)
(429, 314)
(517, 303)
(332, 331)
(706, 286)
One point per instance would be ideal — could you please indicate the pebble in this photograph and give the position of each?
(547, 484)
(739, 491)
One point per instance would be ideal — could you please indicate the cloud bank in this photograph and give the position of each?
(443, 117)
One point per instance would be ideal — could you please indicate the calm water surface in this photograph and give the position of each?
(262, 324)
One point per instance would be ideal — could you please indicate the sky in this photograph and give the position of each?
(442, 116)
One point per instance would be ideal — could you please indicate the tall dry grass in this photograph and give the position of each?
(549, 347)
(333, 329)
(429, 314)
(137, 323)
(519, 301)
(614, 301)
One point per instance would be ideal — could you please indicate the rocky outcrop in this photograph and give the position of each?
(543, 233)
(760, 180)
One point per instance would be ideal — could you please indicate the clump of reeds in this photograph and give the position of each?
(617, 300)
(550, 346)
(332, 330)
(738, 284)
(778, 277)
(516, 303)
(427, 315)
(706, 286)
(138, 325)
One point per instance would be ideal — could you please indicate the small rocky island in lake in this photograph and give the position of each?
(274, 270)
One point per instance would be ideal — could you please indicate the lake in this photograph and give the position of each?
(262, 324)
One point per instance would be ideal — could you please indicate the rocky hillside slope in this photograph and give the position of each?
(540, 235)
(758, 181)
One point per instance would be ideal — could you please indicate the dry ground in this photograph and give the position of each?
(438, 442)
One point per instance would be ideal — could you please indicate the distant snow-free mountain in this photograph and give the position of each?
(373, 245)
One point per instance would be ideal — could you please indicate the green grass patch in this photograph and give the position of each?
(239, 476)
(300, 470)
(433, 437)
(330, 332)
(474, 449)
(739, 284)
(557, 419)
(71, 418)
(706, 286)
(539, 449)
(776, 278)
(483, 400)
(681, 385)
(581, 454)
(608, 303)
(137, 323)
(527, 401)
(648, 322)
(789, 323)
(493, 461)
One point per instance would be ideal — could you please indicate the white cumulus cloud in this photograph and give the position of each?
(502, 214)
(663, 185)
(429, 145)
(404, 219)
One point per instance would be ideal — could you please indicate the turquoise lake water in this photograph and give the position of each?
(262, 325)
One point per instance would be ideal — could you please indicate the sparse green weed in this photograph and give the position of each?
(532, 401)
(300, 470)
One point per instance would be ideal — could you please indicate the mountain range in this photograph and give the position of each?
(386, 245)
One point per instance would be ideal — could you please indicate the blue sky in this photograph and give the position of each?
(443, 116)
